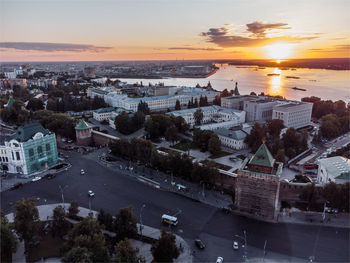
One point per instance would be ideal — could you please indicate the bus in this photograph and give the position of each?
(170, 220)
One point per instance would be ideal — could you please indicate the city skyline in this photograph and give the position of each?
(167, 30)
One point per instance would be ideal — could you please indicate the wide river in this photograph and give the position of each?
(326, 84)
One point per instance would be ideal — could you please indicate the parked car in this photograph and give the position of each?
(82, 172)
(235, 245)
(220, 260)
(36, 178)
(199, 243)
(17, 185)
(91, 193)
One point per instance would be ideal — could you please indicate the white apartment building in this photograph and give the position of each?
(334, 169)
(107, 113)
(159, 103)
(212, 114)
(294, 114)
(233, 139)
(93, 92)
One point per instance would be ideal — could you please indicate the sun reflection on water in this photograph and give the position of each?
(276, 83)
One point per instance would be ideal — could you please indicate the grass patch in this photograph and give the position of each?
(220, 154)
(184, 145)
(217, 165)
(49, 247)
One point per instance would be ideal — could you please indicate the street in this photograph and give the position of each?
(196, 220)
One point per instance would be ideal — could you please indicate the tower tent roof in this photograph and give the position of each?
(82, 125)
(262, 157)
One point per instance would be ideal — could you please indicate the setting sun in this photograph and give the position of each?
(279, 51)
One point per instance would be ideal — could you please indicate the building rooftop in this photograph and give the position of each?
(26, 132)
(337, 166)
(105, 110)
(82, 125)
(236, 135)
(204, 109)
(262, 157)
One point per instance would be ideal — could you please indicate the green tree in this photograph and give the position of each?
(59, 223)
(198, 117)
(137, 121)
(8, 240)
(171, 134)
(78, 255)
(35, 104)
(26, 219)
(87, 234)
(256, 136)
(177, 105)
(214, 145)
(73, 209)
(125, 224)
(125, 253)
(217, 100)
(330, 126)
(165, 248)
(143, 107)
(280, 156)
(274, 127)
(105, 219)
(122, 123)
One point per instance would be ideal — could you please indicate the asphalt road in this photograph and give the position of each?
(113, 191)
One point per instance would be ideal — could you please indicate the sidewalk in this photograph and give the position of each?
(341, 220)
(46, 212)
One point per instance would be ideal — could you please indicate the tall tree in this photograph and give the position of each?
(165, 249)
(59, 223)
(8, 240)
(198, 117)
(35, 104)
(125, 253)
(26, 219)
(78, 255)
(171, 134)
(274, 127)
(125, 224)
(177, 105)
(256, 136)
(143, 106)
(73, 209)
(214, 144)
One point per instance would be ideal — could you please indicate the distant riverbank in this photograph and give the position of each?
(326, 84)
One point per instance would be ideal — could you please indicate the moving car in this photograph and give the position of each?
(199, 243)
(91, 193)
(82, 172)
(220, 260)
(235, 245)
(170, 220)
(36, 178)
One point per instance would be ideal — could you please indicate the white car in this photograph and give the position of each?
(235, 245)
(91, 193)
(82, 172)
(220, 260)
(37, 178)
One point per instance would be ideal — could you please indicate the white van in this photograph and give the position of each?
(170, 220)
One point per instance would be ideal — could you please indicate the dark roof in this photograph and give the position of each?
(262, 157)
(27, 131)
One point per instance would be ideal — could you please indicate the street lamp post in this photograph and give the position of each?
(141, 225)
(61, 189)
(245, 244)
(90, 205)
(264, 250)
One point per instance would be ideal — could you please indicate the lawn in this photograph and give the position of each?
(220, 154)
(184, 145)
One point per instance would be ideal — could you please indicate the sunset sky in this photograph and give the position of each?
(50, 30)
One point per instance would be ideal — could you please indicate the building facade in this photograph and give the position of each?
(258, 185)
(233, 139)
(211, 114)
(294, 114)
(236, 102)
(31, 149)
(159, 103)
